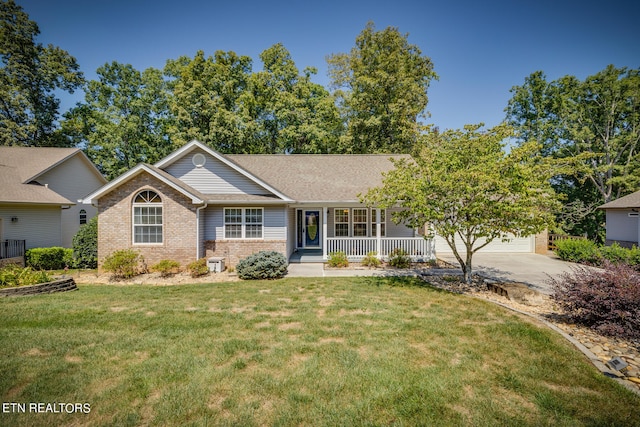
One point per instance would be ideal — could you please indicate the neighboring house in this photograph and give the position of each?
(623, 220)
(39, 191)
(199, 203)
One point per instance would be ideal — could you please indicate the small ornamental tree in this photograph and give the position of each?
(85, 245)
(470, 190)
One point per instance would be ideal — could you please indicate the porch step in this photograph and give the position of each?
(306, 256)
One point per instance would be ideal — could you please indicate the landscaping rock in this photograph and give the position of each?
(516, 292)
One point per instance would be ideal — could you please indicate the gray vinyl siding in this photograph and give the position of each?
(214, 177)
(274, 222)
(398, 230)
(38, 226)
(621, 227)
(73, 179)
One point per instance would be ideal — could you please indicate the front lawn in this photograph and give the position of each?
(344, 351)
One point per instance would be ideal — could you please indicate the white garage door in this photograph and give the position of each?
(516, 244)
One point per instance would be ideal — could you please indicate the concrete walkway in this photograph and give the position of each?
(531, 269)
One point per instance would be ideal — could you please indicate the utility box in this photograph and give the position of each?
(216, 264)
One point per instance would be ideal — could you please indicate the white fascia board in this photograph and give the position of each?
(197, 144)
(132, 173)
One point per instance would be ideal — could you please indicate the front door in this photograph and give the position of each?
(312, 229)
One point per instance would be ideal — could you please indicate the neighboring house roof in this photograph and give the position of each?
(319, 177)
(627, 202)
(20, 168)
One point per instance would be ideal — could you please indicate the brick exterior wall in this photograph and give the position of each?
(115, 228)
(235, 250)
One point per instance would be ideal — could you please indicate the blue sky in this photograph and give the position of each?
(480, 49)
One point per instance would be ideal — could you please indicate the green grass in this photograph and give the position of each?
(347, 351)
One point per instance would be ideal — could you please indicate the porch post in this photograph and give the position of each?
(324, 232)
(378, 234)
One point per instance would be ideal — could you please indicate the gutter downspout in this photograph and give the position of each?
(198, 229)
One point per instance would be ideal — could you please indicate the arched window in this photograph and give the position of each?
(147, 217)
(83, 216)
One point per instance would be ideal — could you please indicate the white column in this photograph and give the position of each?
(325, 212)
(378, 234)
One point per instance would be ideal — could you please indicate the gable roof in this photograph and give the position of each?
(319, 177)
(302, 178)
(195, 196)
(627, 202)
(193, 145)
(20, 168)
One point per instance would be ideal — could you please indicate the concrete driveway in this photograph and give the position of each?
(531, 269)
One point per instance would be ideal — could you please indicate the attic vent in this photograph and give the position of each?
(634, 214)
(199, 160)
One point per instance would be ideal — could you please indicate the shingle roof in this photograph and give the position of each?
(21, 165)
(630, 201)
(318, 177)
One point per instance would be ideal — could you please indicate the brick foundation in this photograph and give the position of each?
(235, 250)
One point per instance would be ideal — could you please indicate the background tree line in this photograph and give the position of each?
(375, 103)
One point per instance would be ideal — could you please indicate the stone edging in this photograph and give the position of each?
(592, 357)
(61, 285)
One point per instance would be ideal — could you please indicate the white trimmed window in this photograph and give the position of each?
(360, 221)
(243, 223)
(147, 218)
(341, 222)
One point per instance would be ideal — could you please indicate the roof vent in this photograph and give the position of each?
(199, 160)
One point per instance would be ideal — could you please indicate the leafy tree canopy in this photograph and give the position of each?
(382, 89)
(596, 124)
(30, 73)
(469, 190)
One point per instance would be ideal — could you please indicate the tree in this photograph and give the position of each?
(469, 190)
(593, 124)
(30, 73)
(123, 120)
(381, 86)
(292, 114)
(208, 100)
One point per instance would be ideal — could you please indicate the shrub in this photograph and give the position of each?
(338, 260)
(167, 267)
(398, 258)
(615, 254)
(124, 263)
(198, 268)
(607, 300)
(13, 275)
(263, 265)
(578, 250)
(371, 260)
(54, 258)
(85, 245)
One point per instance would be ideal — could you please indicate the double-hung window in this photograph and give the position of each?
(341, 222)
(360, 222)
(147, 217)
(243, 223)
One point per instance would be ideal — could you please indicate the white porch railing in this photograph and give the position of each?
(359, 247)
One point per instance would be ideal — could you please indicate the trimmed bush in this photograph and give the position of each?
(124, 263)
(85, 245)
(198, 268)
(578, 250)
(371, 260)
(54, 258)
(607, 300)
(262, 265)
(615, 254)
(338, 260)
(399, 258)
(166, 267)
(13, 275)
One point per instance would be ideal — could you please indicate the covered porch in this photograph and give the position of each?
(355, 230)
